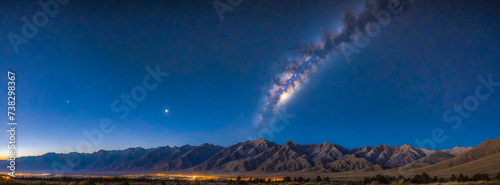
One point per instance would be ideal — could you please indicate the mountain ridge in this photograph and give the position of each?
(258, 155)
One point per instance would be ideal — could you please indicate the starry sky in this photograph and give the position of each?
(394, 91)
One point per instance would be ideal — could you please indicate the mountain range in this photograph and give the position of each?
(259, 156)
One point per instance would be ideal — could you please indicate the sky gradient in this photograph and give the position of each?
(393, 92)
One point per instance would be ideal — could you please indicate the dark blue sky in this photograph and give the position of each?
(393, 92)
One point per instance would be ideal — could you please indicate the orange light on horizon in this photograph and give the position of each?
(188, 177)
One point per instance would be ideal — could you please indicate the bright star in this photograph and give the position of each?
(166, 110)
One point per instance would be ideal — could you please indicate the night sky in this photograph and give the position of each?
(393, 92)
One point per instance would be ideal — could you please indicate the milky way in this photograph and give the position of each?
(299, 68)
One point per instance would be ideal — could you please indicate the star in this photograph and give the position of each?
(166, 110)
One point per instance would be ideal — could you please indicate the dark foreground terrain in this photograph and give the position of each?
(479, 178)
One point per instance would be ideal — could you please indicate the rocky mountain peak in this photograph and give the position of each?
(290, 144)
